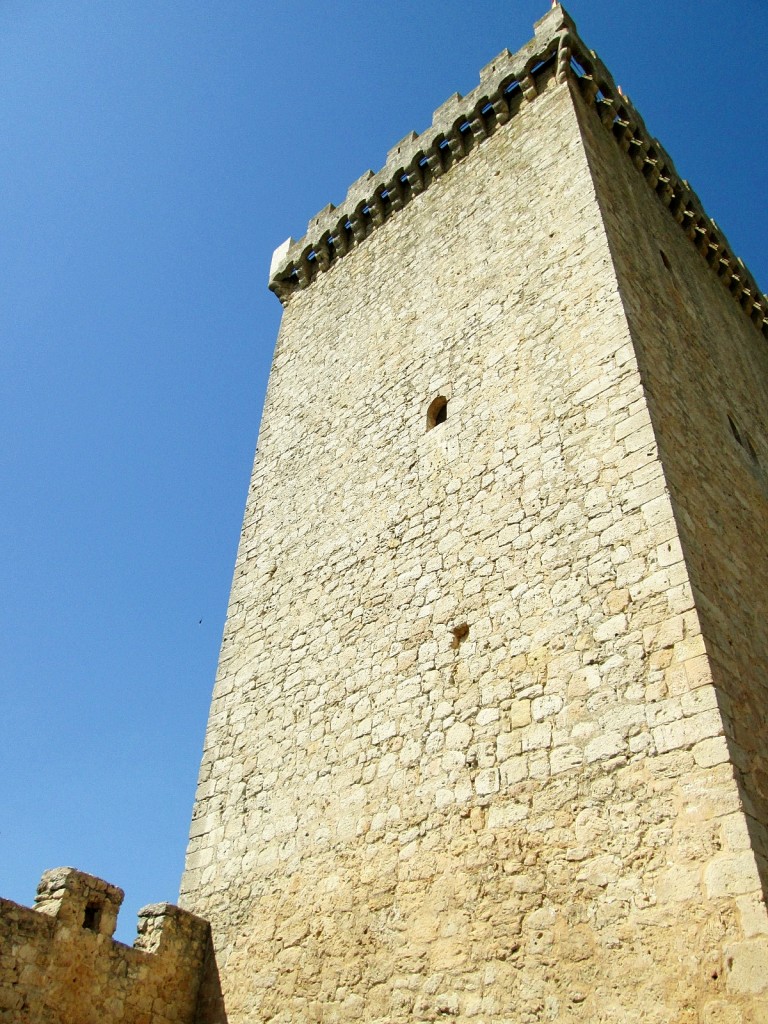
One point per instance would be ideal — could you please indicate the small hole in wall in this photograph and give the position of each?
(743, 438)
(734, 429)
(92, 917)
(460, 633)
(665, 259)
(437, 412)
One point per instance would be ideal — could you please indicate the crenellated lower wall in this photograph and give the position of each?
(60, 965)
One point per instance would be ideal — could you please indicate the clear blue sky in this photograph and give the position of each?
(154, 153)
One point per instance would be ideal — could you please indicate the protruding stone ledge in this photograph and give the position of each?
(464, 122)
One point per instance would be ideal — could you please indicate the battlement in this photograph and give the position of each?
(69, 933)
(463, 122)
(75, 898)
(620, 117)
(458, 125)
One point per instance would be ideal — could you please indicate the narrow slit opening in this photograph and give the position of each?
(437, 412)
(92, 917)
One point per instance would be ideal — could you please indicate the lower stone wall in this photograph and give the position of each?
(60, 965)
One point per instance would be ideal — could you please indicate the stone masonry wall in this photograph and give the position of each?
(60, 965)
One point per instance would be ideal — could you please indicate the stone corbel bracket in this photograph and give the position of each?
(464, 122)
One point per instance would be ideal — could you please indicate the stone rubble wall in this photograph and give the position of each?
(466, 759)
(60, 965)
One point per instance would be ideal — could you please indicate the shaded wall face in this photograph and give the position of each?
(705, 370)
(464, 757)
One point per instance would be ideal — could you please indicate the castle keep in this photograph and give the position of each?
(488, 735)
(488, 740)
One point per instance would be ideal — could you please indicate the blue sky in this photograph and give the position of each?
(154, 153)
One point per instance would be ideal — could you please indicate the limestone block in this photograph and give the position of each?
(747, 967)
(687, 732)
(487, 781)
(732, 875)
(507, 815)
(519, 714)
(602, 747)
(753, 915)
(711, 752)
(458, 736)
(565, 759)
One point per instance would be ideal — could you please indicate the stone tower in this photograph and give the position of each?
(488, 739)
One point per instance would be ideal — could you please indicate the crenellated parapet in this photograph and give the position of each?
(463, 122)
(458, 126)
(652, 161)
(59, 963)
